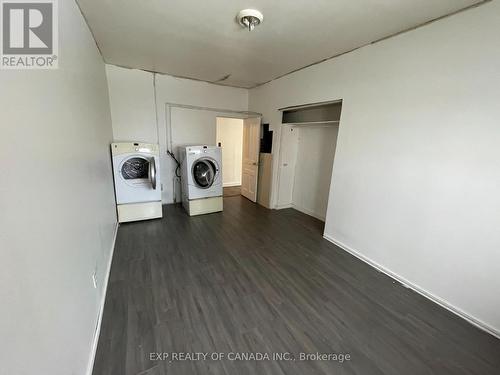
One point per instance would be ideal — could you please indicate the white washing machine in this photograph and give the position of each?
(201, 179)
(136, 171)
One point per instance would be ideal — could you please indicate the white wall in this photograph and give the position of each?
(230, 136)
(127, 86)
(416, 177)
(132, 102)
(57, 217)
(313, 168)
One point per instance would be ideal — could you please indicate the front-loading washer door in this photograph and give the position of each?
(204, 172)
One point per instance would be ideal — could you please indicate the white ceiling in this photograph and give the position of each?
(201, 39)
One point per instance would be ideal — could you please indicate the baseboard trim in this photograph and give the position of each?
(101, 309)
(283, 206)
(455, 310)
(231, 184)
(307, 212)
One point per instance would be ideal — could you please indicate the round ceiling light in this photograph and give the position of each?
(249, 18)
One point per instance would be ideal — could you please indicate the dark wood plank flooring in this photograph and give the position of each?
(255, 280)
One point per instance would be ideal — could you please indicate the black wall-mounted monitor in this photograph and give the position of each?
(266, 139)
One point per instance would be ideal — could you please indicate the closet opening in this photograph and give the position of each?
(307, 153)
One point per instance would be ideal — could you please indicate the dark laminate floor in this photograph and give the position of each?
(254, 280)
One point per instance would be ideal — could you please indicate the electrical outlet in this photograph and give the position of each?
(94, 279)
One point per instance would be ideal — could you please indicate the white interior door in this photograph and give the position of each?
(288, 159)
(250, 159)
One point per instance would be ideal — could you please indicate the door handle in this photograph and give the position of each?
(152, 172)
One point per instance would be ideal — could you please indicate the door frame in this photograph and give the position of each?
(168, 127)
(217, 138)
(168, 117)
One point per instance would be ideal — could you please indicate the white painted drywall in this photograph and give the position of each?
(313, 168)
(230, 136)
(201, 39)
(57, 217)
(191, 127)
(416, 177)
(132, 104)
(169, 90)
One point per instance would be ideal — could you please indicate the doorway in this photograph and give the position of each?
(240, 143)
(308, 144)
(190, 125)
(306, 170)
(229, 136)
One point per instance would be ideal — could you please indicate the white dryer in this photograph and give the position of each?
(137, 180)
(201, 179)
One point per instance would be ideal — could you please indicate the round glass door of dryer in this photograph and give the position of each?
(135, 168)
(139, 172)
(204, 172)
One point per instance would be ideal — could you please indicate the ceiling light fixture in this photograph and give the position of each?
(249, 18)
